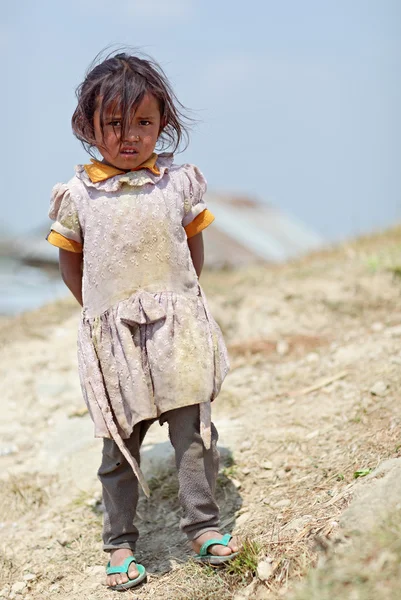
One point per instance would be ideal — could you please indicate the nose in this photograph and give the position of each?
(131, 135)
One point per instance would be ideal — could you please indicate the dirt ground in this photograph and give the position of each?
(310, 407)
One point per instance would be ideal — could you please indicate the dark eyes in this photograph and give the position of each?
(118, 123)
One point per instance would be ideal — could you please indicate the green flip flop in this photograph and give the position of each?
(124, 569)
(204, 555)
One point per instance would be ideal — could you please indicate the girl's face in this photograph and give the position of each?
(141, 138)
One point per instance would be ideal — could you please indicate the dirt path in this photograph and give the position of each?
(312, 398)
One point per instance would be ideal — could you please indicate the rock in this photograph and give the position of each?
(246, 470)
(29, 577)
(246, 445)
(375, 498)
(242, 519)
(377, 326)
(7, 450)
(265, 569)
(94, 503)
(95, 570)
(248, 592)
(282, 503)
(5, 591)
(236, 483)
(298, 524)
(282, 347)
(267, 464)
(394, 331)
(380, 388)
(63, 539)
(312, 357)
(18, 587)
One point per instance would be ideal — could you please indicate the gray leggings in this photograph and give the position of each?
(197, 473)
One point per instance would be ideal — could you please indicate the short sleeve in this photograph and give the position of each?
(194, 187)
(64, 213)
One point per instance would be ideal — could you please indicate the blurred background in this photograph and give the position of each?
(299, 123)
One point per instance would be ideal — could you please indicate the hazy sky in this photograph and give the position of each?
(299, 99)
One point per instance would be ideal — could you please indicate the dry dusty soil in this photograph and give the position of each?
(307, 418)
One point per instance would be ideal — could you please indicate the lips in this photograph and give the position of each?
(130, 151)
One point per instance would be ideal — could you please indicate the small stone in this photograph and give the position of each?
(282, 474)
(93, 502)
(248, 592)
(63, 539)
(298, 524)
(267, 464)
(8, 450)
(246, 470)
(242, 519)
(394, 331)
(312, 357)
(18, 587)
(5, 591)
(282, 503)
(266, 475)
(95, 570)
(264, 570)
(379, 389)
(282, 347)
(29, 577)
(236, 484)
(377, 326)
(246, 445)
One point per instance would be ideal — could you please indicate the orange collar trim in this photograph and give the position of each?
(98, 171)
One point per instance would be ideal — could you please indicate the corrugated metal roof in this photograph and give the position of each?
(262, 230)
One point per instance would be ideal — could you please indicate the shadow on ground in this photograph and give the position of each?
(162, 546)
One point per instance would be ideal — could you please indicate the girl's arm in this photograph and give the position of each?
(195, 245)
(71, 272)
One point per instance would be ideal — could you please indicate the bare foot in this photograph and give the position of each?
(117, 557)
(216, 550)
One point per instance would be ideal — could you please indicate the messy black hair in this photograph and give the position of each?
(119, 82)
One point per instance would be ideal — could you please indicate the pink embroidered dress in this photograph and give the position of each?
(147, 342)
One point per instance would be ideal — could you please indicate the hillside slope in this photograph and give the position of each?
(312, 399)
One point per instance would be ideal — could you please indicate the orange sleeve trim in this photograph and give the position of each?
(58, 240)
(203, 220)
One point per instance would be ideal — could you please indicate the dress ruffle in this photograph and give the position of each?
(157, 352)
(132, 178)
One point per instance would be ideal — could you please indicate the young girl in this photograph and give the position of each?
(129, 232)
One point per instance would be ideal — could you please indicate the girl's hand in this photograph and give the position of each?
(71, 272)
(195, 245)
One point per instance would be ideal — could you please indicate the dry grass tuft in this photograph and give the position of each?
(24, 493)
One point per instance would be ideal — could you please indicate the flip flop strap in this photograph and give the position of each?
(124, 568)
(224, 541)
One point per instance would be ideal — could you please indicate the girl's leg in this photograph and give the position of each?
(120, 498)
(197, 474)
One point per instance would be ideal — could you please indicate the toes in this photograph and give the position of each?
(133, 572)
(116, 580)
(218, 550)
